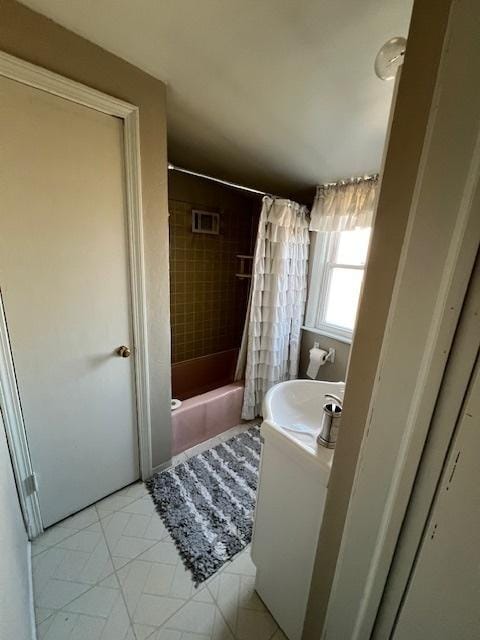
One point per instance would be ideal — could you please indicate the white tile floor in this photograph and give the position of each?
(112, 572)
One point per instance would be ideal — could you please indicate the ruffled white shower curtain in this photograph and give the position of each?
(271, 339)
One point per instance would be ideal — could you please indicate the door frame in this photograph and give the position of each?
(34, 76)
(427, 300)
(435, 459)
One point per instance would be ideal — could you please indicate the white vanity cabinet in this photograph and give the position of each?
(291, 498)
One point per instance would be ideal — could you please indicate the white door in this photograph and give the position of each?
(64, 283)
(442, 601)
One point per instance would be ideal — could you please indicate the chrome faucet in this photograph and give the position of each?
(338, 400)
(332, 414)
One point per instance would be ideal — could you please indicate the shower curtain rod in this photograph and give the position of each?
(235, 185)
(173, 167)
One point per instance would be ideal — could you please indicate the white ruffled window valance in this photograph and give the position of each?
(344, 206)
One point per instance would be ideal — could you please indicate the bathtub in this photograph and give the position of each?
(199, 375)
(206, 415)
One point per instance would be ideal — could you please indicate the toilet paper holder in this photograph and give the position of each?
(330, 357)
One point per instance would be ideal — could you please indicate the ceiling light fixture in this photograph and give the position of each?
(390, 58)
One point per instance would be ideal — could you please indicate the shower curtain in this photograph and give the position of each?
(271, 338)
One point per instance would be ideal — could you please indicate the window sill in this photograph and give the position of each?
(327, 334)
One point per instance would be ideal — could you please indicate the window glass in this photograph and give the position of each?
(352, 247)
(338, 266)
(343, 296)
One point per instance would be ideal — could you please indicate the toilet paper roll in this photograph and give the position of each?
(317, 359)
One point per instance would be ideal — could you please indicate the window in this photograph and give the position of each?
(336, 280)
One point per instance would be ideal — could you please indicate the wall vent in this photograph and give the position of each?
(205, 222)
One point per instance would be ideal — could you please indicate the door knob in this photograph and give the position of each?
(124, 352)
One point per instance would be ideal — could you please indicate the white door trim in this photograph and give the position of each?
(34, 76)
(441, 243)
(16, 434)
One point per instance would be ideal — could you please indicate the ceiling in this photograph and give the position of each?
(275, 94)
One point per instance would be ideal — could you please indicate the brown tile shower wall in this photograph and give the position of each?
(208, 302)
(200, 375)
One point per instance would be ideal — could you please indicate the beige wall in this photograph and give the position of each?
(404, 149)
(36, 39)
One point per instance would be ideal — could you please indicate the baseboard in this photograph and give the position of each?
(30, 587)
(162, 467)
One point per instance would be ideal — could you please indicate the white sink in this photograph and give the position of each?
(299, 402)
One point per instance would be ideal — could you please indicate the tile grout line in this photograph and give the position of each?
(137, 557)
(92, 506)
(223, 570)
(155, 540)
(233, 631)
(117, 578)
(216, 440)
(85, 615)
(117, 510)
(227, 624)
(189, 599)
(70, 535)
(67, 604)
(113, 572)
(91, 586)
(185, 602)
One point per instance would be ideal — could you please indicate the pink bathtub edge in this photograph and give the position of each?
(206, 416)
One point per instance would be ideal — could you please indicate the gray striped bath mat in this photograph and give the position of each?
(207, 503)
